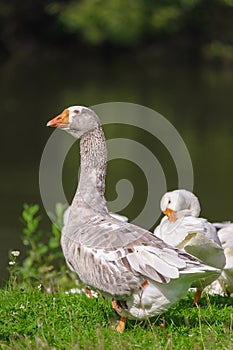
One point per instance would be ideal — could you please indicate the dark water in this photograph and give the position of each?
(196, 100)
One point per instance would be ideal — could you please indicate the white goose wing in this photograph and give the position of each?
(116, 257)
(226, 238)
(194, 235)
(203, 242)
(175, 232)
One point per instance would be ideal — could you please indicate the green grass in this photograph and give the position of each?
(33, 319)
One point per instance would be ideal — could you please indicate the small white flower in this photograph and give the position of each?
(75, 291)
(11, 262)
(39, 287)
(94, 294)
(15, 252)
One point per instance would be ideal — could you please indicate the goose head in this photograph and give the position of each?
(180, 203)
(76, 120)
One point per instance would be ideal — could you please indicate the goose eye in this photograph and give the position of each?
(169, 201)
(77, 111)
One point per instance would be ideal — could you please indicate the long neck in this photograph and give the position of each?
(90, 191)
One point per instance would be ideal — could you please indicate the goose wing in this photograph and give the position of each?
(194, 235)
(116, 256)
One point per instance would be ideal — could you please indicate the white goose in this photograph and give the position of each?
(225, 234)
(141, 273)
(183, 229)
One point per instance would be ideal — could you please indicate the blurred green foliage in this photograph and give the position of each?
(98, 21)
(43, 263)
(131, 20)
(197, 23)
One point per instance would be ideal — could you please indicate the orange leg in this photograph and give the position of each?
(114, 304)
(121, 325)
(197, 296)
(88, 291)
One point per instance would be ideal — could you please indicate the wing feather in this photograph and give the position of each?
(107, 248)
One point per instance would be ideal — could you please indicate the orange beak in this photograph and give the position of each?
(61, 121)
(171, 214)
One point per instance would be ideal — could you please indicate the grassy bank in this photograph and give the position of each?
(33, 319)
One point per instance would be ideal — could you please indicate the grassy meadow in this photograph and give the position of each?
(34, 319)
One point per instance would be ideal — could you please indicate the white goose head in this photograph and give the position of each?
(179, 203)
(77, 120)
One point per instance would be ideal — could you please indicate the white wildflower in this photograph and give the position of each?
(80, 291)
(75, 291)
(15, 252)
(11, 262)
(94, 294)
